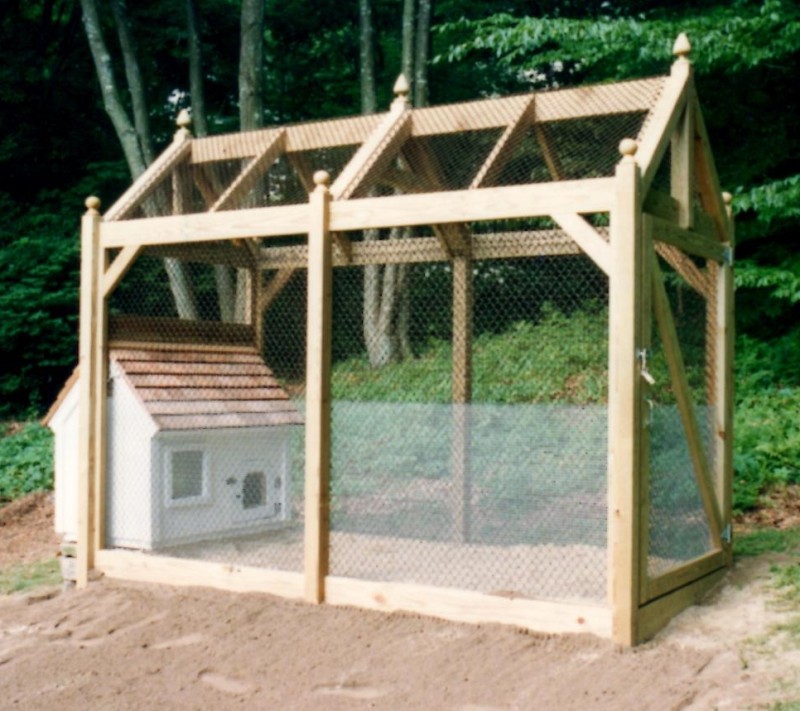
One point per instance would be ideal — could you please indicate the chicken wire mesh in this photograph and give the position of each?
(205, 436)
(678, 525)
(472, 460)
(521, 139)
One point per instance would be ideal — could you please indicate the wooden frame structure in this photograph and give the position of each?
(691, 228)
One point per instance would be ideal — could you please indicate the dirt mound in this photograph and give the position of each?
(26, 530)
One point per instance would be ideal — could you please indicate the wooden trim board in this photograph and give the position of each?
(471, 607)
(683, 575)
(146, 568)
(655, 615)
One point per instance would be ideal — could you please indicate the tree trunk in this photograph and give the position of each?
(126, 133)
(196, 91)
(133, 75)
(131, 143)
(407, 61)
(223, 275)
(366, 46)
(423, 43)
(251, 66)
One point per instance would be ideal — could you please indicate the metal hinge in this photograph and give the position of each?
(727, 256)
(726, 534)
(642, 354)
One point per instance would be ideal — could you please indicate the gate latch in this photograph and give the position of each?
(641, 354)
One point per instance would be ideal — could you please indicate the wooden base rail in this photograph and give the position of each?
(449, 604)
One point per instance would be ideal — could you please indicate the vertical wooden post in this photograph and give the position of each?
(624, 397)
(723, 373)
(682, 183)
(100, 397)
(462, 393)
(645, 343)
(88, 381)
(318, 391)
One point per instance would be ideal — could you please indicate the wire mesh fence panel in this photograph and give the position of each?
(469, 417)
(203, 432)
(539, 421)
(678, 523)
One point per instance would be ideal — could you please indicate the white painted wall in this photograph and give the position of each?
(64, 424)
(129, 501)
(140, 512)
(231, 454)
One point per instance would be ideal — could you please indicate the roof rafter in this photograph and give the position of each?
(507, 143)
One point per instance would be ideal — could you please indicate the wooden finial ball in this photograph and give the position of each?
(184, 119)
(628, 147)
(322, 178)
(727, 198)
(401, 86)
(682, 46)
(92, 203)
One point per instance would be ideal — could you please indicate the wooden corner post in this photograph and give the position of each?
(723, 387)
(624, 397)
(318, 390)
(90, 405)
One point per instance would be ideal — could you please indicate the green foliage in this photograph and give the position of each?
(561, 358)
(733, 37)
(766, 426)
(26, 462)
(766, 540)
(28, 576)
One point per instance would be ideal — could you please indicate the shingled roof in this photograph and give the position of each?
(200, 388)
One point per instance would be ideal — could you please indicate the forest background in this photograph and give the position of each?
(89, 91)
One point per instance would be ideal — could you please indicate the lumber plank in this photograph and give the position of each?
(274, 221)
(677, 370)
(661, 125)
(226, 253)
(656, 614)
(119, 268)
(89, 365)
(682, 183)
(318, 397)
(251, 174)
(646, 344)
(463, 303)
(724, 340)
(499, 245)
(278, 283)
(147, 568)
(173, 330)
(708, 185)
(687, 240)
(551, 160)
(471, 607)
(587, 238)
(625, 400)
(689, 271)
(684, 574)
(505, 146)
(375, 154)
(536, 200)
(177, 152)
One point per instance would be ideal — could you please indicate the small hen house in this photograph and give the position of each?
(191, 452)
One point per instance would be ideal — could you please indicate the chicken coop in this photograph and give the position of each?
(488, 346)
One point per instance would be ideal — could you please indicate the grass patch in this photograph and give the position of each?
(767, 540)
(26, 461)
(28, 576)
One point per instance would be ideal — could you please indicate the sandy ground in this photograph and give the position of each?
(126, 646)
